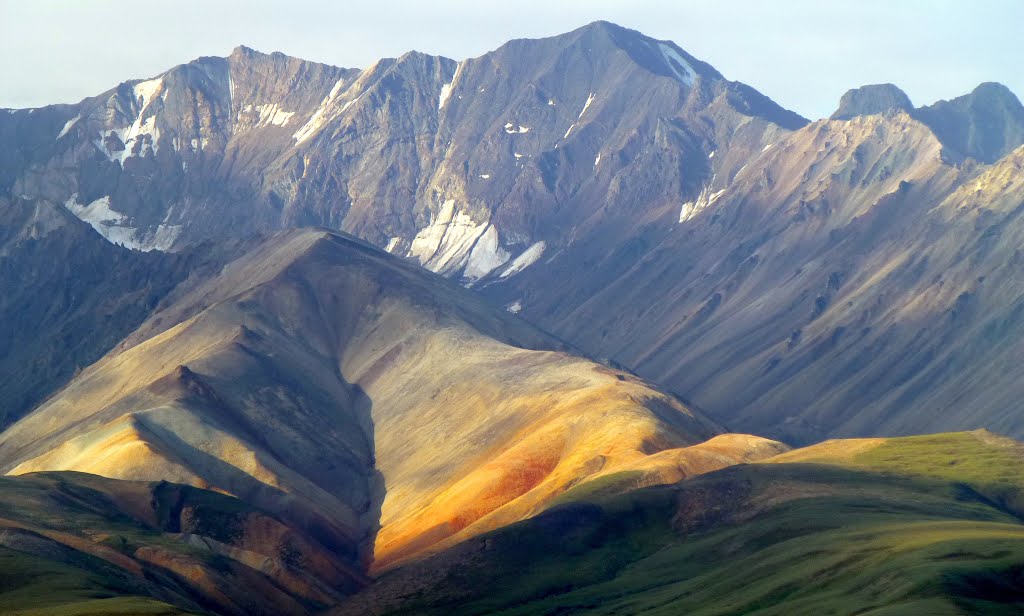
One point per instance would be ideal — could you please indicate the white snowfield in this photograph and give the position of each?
(320, 117)
(525, 260)
(453, 242)
(142, 130)
(444, 245)
(116, 227)
(269, 114)
(147, 91)
(705, 199)
(586, 105)
(67, 125)
(679, 66)
(487, 255)
(446, 89)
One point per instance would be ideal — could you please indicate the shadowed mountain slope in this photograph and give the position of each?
(471, 168)
(898, 526)
(75, 544)
(907, 525)
(383, 408)
(68, 297)
(986, 124)
(303, 411)
(849, 281)
(616, 191)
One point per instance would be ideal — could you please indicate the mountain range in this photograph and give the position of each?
(594, 181)
(287, 338)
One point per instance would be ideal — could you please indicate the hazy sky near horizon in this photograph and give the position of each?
(802, 53)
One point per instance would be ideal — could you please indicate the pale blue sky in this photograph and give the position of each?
(802, 53)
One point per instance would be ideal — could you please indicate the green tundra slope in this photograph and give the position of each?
(909, 525)
(914, 525)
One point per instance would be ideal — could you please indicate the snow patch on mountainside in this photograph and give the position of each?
(705, 199)
(444, 245)
(321, 116)
(586, 105)
(116, 227)
(147, 91)
(679, 66)
(487, 255)
(348, 104)
(68, 125)
(270, 113)
(163, 239)
(446, 89)
(392, 243)
(143, 133)
(109, 223)
(525, 260)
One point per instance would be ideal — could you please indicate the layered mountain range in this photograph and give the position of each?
(361, 412)
(596, 181)
(280, 337)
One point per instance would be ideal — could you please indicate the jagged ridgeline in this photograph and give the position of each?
(280, 337)
(614, 190)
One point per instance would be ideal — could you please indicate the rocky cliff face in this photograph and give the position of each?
(986, 124)
(351, 413)
(872, 100)
(607, 186)
(472, 168)
(850, 280)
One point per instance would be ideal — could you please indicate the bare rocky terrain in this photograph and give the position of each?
(613, 190)
(360, 339)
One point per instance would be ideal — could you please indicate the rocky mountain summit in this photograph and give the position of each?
(279, 337)
(612, 189)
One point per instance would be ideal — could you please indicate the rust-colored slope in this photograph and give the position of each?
(674, 465)
(380, 406)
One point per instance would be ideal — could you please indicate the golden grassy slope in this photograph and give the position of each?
(328, 383)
